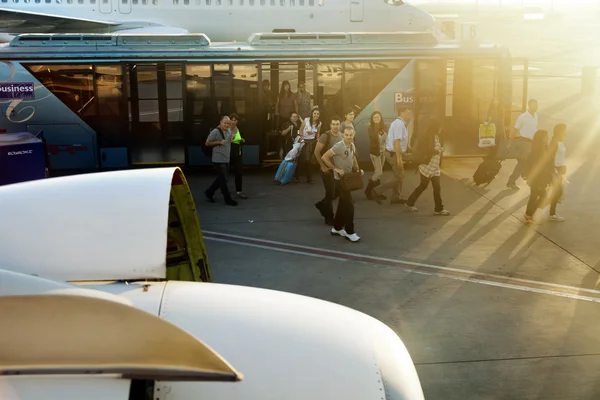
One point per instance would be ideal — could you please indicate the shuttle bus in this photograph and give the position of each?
(111, 101)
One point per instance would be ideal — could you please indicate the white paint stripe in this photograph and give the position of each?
(310, 251)
(258, 246)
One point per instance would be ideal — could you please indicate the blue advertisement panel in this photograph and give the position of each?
(17, 90)
(22, 158)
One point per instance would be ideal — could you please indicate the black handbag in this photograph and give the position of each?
(352, 181)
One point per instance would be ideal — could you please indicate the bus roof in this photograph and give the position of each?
(272, 46)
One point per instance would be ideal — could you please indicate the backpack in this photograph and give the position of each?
(420, 154)
(208, 150)
(423, 153)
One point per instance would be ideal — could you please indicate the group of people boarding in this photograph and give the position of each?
(336, 153)
(540, 161)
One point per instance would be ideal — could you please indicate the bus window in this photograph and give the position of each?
(365, 80)
(223, 87)
(306, 101)
(198, 92)
(245, 88)
(475, 84)
(72, 84)
(198, 81)
(147, 81)
(485, 87)
(278, 73)
(429, 101)
(109, 90)
(329, 81)
(449, 87)
(174, 80)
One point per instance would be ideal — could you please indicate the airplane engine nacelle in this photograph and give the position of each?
(122, 225)
(62, 341)
(288, 346)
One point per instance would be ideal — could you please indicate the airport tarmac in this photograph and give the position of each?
(488, 306)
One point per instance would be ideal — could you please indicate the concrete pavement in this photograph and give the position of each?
(496, 326)
(469, 340)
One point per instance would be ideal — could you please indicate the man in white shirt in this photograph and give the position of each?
(525, 128)
(395, 145)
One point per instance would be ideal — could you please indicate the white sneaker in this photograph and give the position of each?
(341, 232)
(411, 208)
(443, 212)
(353, 238)
(555, 217)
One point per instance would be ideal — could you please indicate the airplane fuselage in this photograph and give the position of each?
(226, 20)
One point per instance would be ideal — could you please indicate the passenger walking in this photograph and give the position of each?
(309, 132)
(341, 158)
(557, 147)
(324, 143)
(430, 150)
(395, 144)
(539, 170)
(525, 127)
(220, 141)
(303, 100)
(237, 163)
(286, 101)
(377, 136)
(289, 132)
(348, 119)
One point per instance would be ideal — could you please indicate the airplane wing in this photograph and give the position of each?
(16, 22)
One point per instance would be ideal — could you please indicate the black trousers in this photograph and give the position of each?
(305, 160)
(536, 196)
(344, 215)
(237, 166)
(437, 192)
(220, 182)
(325, 205)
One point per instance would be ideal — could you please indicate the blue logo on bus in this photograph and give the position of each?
(17, 90)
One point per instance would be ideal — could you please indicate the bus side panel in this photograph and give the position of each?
(72, 144)
(385, 102)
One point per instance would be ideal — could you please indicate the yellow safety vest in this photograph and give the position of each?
(237, 139)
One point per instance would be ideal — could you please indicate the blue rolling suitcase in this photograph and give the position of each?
(285, 172)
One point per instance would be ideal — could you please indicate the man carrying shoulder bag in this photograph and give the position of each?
(341, 158)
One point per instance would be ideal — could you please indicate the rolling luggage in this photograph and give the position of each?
(487, 171)
(285, 172)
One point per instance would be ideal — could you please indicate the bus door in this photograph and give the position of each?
(273, 76)
(156, 113)
(221, 89)
(429, 95)
(471, 85)
(516, 89)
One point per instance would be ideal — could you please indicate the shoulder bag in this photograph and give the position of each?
(353, 180)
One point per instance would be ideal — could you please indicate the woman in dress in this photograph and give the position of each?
(309, 132)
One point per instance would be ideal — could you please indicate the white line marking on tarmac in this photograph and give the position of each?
(463, 275)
